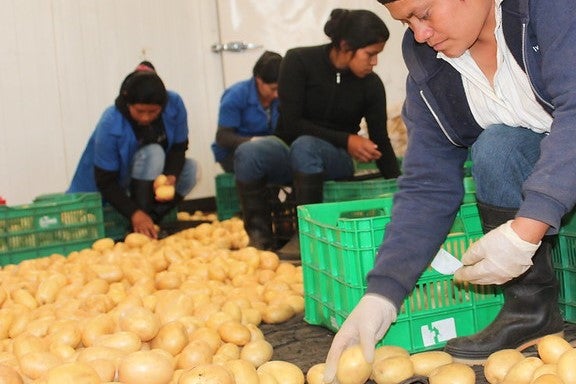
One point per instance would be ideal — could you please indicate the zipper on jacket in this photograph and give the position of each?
(438, 120)
(527, 69)
(337, 77)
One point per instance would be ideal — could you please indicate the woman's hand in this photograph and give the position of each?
(142, 223)
(363, 149)
(170, 180)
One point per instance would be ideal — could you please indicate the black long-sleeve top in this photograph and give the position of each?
(319, 100)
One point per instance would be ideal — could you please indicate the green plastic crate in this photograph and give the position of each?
(367, 168)
(116, 226)
(339, 242)
(469, 190)
(356, 190)
(376, 188)
(55, 223)
(227, 202)
(564, 260)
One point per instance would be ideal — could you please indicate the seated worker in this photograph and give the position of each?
(248, 109)
(324, 93)
(143, 135)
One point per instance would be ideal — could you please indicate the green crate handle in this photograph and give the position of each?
(65, 197)
(376, 212)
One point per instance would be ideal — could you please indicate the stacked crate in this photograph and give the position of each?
(564, 260)
(52, 224)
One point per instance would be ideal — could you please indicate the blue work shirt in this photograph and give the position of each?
(113, 144)
(240, 108)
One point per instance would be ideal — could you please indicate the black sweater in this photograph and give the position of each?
(319, 100)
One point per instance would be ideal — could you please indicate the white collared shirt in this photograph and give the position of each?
(511, 100)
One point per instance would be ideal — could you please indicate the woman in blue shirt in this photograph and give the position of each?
(143, 135)
(248, 109)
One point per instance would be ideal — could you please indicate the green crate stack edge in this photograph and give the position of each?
(228, 203)
(380, 187)
(53, 224)
(337, 253)
(564, 260)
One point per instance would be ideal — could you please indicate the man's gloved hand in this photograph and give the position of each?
(366, 324)
(499, 256)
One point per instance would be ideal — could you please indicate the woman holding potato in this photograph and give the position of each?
(324, 91)
(490, 76)
(141, 139)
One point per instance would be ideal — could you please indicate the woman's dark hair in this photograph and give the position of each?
(141, 86)
(384, 2)
(267, 67)
(358, 28)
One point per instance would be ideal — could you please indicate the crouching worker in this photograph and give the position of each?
(142, 136)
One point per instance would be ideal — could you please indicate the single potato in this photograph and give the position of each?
(453, 373)
(352, 367)
(499, 363)
(392, 370)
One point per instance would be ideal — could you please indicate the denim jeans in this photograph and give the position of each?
(270, 159)
(148, 163)
(502, 159)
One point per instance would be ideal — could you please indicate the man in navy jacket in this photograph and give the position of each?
(490, 77)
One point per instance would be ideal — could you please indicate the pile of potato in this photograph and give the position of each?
(182, 310)
(196, 216)
(393, 365)
(555, 364)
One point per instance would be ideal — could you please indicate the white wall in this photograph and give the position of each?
(62, 62)
(279, 25)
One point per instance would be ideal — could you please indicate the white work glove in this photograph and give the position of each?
(498, 257)
(366, 324)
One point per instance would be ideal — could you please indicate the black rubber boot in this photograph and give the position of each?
(161, 209)
(142, 192)
(256, 213)
(530, 309)
(159, 212)
(309, 189)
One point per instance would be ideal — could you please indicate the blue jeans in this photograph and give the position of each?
(148, 163)
(270, 159)
(502, 159)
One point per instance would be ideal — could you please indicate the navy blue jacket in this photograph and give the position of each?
(541, 35)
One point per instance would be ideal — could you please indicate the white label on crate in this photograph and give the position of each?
(283, 193)
(438, 332)
(445, 263)
(47, 221)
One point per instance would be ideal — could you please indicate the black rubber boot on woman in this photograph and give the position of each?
(530, 309)
(256, 213)
(142, 192)
(309, 189)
